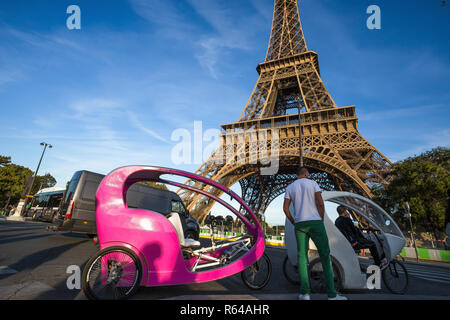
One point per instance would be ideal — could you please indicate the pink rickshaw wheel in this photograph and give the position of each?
(112, 274)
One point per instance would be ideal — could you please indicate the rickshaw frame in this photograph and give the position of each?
(153, 238)
(342, 253)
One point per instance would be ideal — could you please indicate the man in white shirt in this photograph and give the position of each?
(308, 216)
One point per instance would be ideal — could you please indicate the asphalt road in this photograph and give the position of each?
(33, 265)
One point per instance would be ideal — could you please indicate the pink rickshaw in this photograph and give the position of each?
(145, 248)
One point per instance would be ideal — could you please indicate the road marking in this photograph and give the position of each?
(429, 272)
(433, 280)
(433, 276)
(443, 275)
(4, 270)
(430, 277)
(28, 289)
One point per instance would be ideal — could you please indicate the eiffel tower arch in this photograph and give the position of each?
(290, 111)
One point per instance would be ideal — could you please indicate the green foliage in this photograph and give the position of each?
(154, 185)
(423, 181)
(13, 178)
(4, 160)
(42, 182)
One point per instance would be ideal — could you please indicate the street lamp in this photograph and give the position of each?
(39, 164)
(30, 186)
(408, 210)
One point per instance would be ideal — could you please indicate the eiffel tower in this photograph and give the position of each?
(311, 130)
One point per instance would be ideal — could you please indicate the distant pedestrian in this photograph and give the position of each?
(27, 209)
(7, 210)
(308, 216)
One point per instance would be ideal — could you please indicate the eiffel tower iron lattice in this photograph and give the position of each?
(291, 116)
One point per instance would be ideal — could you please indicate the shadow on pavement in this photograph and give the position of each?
(61, 291)
(14, 229)
(34, 260)
(25, 238)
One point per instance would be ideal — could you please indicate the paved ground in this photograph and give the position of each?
(33, 265)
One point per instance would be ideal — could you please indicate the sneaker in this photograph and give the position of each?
(304, 297)
(383, 265)
(338, 297)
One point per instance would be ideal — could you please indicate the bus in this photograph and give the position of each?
(77, 212)
(45, 204)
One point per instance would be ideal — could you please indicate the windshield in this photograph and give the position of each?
(55, 200)
(371, 212)
(48, 199)
(178, 206)
(72, 187)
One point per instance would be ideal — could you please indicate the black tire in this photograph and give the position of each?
(395, 277)
(290, 272)
(258, 275)
(317, 282)
(117, 257)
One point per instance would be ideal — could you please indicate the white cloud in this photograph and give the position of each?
(9, 75)
(265, 9)
(400, 113)
(97, 138)
(423, 142)
(165, 13)
(231, 31)
(134, 120)
(96, 106)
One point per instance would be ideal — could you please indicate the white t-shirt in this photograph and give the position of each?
(302, 194)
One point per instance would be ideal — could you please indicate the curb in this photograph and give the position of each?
(432, 255)
(16, 219)
(439, 264)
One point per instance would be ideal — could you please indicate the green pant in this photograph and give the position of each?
(315, 230)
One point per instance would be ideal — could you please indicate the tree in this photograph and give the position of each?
(42, 182)
(154, 185)
(229, 221)
(4, 160)
(423, 181)
(13, 178)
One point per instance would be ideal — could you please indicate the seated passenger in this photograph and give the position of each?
(345, 224)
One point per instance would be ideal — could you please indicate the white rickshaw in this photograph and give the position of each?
(349, 273)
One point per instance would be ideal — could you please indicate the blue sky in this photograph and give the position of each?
(112, 93)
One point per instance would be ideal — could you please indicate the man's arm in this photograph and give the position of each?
(286, 204)
(346, 230)
(319, 203)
